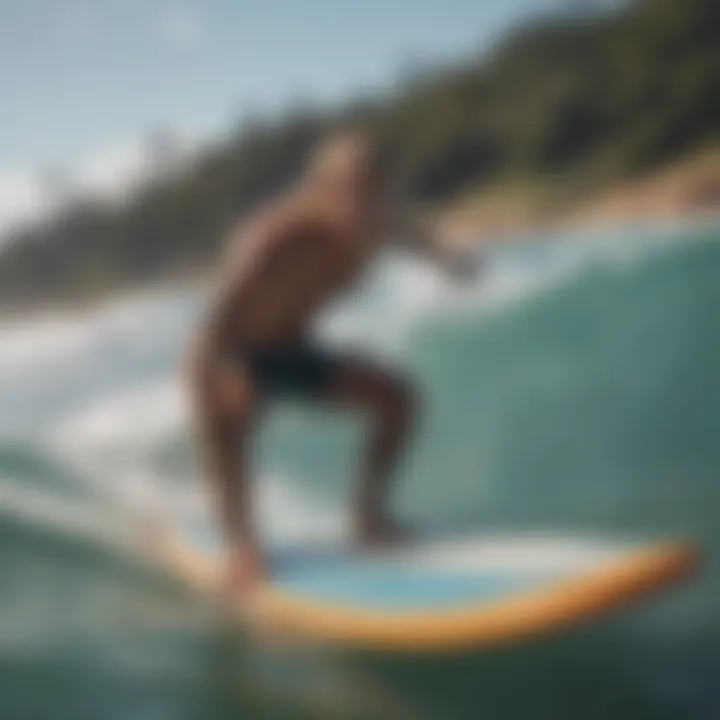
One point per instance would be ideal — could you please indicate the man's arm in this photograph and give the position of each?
(411, 233)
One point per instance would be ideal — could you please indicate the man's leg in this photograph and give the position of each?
(389, 403)
(225, 408)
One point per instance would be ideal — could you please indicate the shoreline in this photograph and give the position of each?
(679, 192)
(78, 307)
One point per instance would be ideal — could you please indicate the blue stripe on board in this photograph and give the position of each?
(333, 576)
(394, 587)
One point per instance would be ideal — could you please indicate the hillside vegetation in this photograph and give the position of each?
(578, 102)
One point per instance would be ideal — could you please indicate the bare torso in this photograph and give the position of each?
(284, 267)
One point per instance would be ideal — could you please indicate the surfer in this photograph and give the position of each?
(281, 268)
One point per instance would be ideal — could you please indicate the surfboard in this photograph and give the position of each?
(440, 593)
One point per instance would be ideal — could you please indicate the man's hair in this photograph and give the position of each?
(351, 151)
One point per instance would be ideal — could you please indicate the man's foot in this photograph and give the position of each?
(244, 573)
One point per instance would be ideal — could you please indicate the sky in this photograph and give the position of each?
(83, 83)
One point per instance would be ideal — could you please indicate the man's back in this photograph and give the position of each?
(284, 264)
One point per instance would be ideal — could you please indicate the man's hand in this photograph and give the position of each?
(462, 266)
(244, 572)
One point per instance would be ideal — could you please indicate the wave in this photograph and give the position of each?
(535, 376)
(574, 389)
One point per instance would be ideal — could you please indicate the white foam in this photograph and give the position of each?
(126, 420)
(51, 338)
(109, 442)
(74, 517)
(526, 554)
(405, 294)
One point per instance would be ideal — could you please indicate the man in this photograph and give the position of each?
(283, 267)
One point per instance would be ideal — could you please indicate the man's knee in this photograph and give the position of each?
(396, 401)
(220, 391)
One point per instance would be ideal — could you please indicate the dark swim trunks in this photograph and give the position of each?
(298, 370)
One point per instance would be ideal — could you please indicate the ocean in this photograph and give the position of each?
(574, 389)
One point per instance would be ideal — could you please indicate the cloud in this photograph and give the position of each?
(22, 199)
(182, 28)
(111, 172)
(118, 168)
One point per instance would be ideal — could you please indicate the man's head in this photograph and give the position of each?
(351, 161)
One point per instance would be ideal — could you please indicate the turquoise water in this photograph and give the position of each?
(575, 390)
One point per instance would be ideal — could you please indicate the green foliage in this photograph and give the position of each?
(585, 98)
